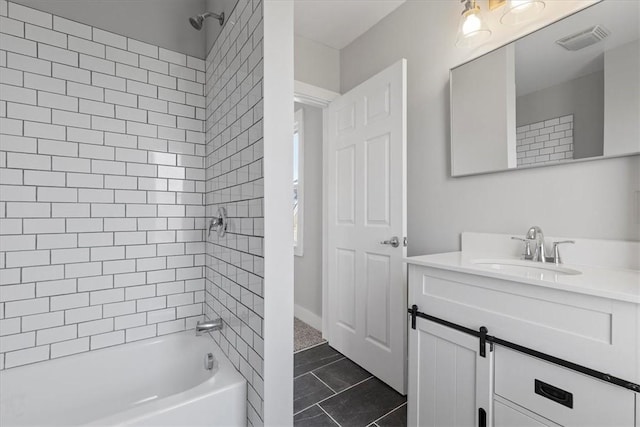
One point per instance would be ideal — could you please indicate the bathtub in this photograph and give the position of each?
(156, 382)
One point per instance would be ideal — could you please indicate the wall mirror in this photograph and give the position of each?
(565, 93)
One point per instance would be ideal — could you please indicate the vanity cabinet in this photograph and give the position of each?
(452, 383)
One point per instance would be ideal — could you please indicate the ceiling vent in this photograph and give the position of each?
(584, 38)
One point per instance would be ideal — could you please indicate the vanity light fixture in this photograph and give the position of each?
(519, 11)
(472, 29)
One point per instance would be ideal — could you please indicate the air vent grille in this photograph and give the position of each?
(584, 38)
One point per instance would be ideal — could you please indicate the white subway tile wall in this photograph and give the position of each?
(102, 186)
(546, 142)
(234, 180)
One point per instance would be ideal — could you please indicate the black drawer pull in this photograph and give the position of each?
(554, 393)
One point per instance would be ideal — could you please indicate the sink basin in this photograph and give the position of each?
(516, 266)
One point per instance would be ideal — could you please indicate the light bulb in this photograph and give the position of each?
(471, 24)
(519, 6)
(472, 29)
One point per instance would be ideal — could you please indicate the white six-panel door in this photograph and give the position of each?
(367, 205)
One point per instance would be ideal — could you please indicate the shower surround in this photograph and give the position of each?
(102, 188)
(234, 180)
(107, 178)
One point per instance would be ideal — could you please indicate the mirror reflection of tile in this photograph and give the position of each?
(545, 142)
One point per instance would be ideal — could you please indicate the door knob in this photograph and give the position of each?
(394, 242)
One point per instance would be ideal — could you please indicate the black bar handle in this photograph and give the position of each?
(482, 417)
(483, 340)
(554, 393)
(414, 314)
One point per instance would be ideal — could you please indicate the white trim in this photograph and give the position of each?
(319, 97)
(326, 330)
(278, 215)
(307, 316)
(298, 117)
(313, 95)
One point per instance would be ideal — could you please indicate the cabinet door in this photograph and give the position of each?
(449, 382)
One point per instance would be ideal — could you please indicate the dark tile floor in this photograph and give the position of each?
(330, 390)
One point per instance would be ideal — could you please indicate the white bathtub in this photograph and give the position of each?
(155, 382)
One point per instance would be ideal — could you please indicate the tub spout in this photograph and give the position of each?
(208, 326)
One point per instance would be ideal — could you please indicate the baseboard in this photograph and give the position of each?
(308, 317)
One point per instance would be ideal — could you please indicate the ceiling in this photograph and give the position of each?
(163, 23)
(336, 23)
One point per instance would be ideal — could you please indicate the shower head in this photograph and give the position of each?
(197, 21)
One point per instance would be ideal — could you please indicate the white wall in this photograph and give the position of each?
(308, 267)
(593, 199)
(278, 215)
(316, 64)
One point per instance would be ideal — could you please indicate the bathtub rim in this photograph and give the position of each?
(225, 378)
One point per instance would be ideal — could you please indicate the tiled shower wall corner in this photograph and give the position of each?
(102, 187)
(546, 142)
(234, 172)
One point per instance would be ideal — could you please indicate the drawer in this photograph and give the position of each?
(561, 395)
(505, 415)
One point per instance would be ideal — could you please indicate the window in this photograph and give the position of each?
(298, 182)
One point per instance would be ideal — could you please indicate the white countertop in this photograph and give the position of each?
(613, 283)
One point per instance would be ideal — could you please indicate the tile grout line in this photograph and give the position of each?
(310, 406)
(394, 409)
(335, 361)
(319, 367)
(373, 423)
(328, 415)
(329, 397)
(330, 388)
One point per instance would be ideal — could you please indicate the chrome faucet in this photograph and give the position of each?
(208, 326)
(556, 251)
(527, 255)
(535, 234)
